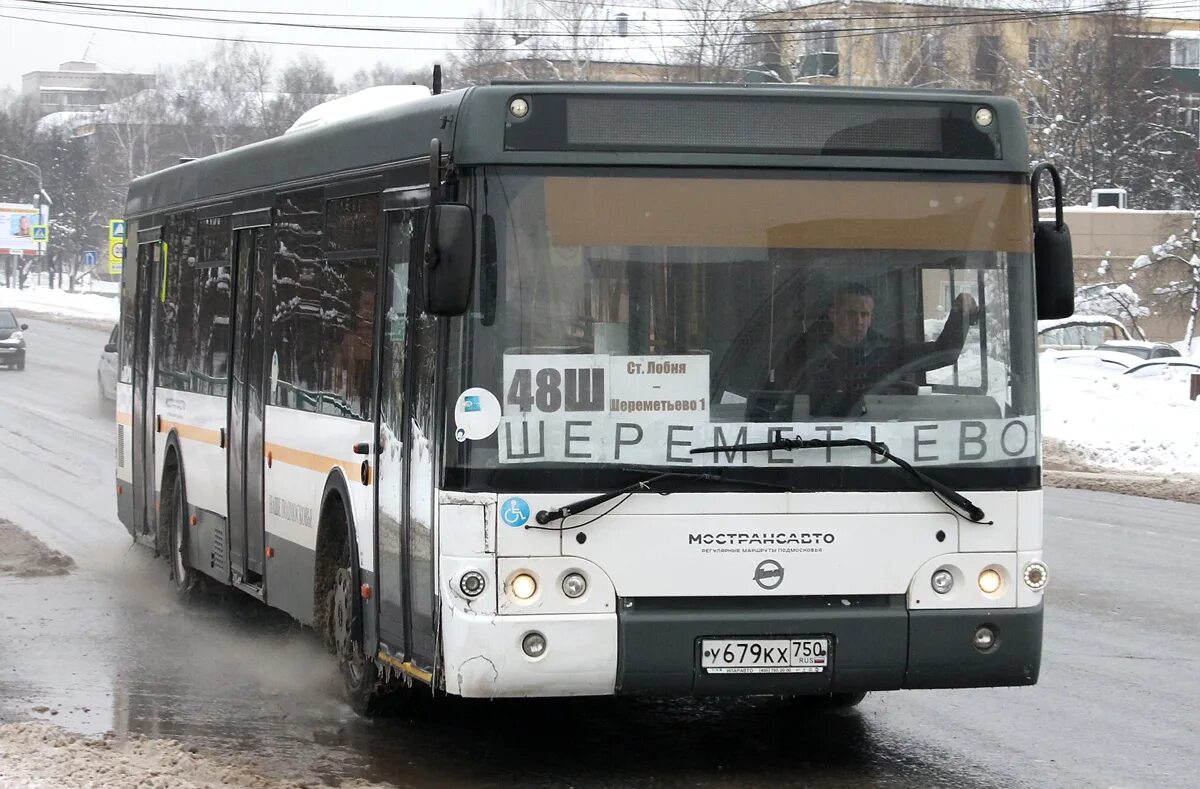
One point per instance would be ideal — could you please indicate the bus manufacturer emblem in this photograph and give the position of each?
(768, 574)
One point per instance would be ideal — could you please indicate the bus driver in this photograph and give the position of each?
(844, 361)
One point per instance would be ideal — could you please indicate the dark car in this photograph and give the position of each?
(12, 340)
(1140, 349)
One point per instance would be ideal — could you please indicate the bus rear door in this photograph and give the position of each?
(246, 409)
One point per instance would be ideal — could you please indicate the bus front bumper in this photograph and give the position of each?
(653, 647)
(876, 644)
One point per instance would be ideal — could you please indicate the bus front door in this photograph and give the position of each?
(391, 453)
(246, 409)
(149, 277)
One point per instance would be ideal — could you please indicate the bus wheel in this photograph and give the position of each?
(831, 701)
(184, 580)
(361, 678)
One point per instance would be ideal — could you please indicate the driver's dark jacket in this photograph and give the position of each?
(835, 377)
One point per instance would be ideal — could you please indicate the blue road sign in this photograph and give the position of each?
(89, 258)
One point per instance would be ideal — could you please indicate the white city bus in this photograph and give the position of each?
(542, 408)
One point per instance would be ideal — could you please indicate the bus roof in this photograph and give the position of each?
(763, 125)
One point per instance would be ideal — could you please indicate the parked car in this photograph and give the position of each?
(106, 369)
(1079, 332)
(1087, 363)
(12, 340)
(1140, 349)
(1186, 348)
(1180, 370)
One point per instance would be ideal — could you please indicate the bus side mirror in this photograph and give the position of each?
(449, 258)
(1053, 263)
(110, 347)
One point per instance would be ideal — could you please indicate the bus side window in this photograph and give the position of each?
(296, 300)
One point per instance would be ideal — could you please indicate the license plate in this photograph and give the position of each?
(764, 656)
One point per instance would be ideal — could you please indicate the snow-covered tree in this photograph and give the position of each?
(1099, 106)
(1182, 254)
(1111, 298)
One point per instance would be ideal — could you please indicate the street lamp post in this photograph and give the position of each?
(43, 207)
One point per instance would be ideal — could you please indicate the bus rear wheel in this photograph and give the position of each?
(184, 580)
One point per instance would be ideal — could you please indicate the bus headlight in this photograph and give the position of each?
(942, 581)
(574, 585)
(989, 581)
(1036, 575)
(523, 586)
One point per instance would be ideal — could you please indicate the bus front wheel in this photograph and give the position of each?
(365, 687)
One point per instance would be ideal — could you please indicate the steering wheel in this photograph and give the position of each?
(894, 383)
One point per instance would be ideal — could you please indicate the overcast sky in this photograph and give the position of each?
(31, 46)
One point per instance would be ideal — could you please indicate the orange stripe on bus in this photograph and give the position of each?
(293, 457)
(202, 434)
(312, 461)
(124, 418)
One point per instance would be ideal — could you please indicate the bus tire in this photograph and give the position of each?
(184, 580)
(364, 684)
(831, 701)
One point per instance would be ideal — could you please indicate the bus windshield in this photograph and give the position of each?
(624, 318)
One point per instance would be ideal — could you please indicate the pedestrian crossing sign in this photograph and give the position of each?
(41, 234)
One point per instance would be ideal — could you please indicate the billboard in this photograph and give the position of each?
(17, 222)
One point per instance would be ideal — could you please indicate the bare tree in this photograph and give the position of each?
(304, 83)
(481, 56)
(387, 74)
(711, 38)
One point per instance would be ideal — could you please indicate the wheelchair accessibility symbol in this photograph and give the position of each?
(514, 512)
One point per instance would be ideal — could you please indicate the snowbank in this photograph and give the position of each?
(41, 756)
(25, 556)
(101, 305)
(1121, 422)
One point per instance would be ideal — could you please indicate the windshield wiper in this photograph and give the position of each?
(946, 493)
(574, 508)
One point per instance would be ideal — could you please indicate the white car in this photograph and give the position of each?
(106, 369)
(1089, 363)
(1172, 370)
(1079, 332)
